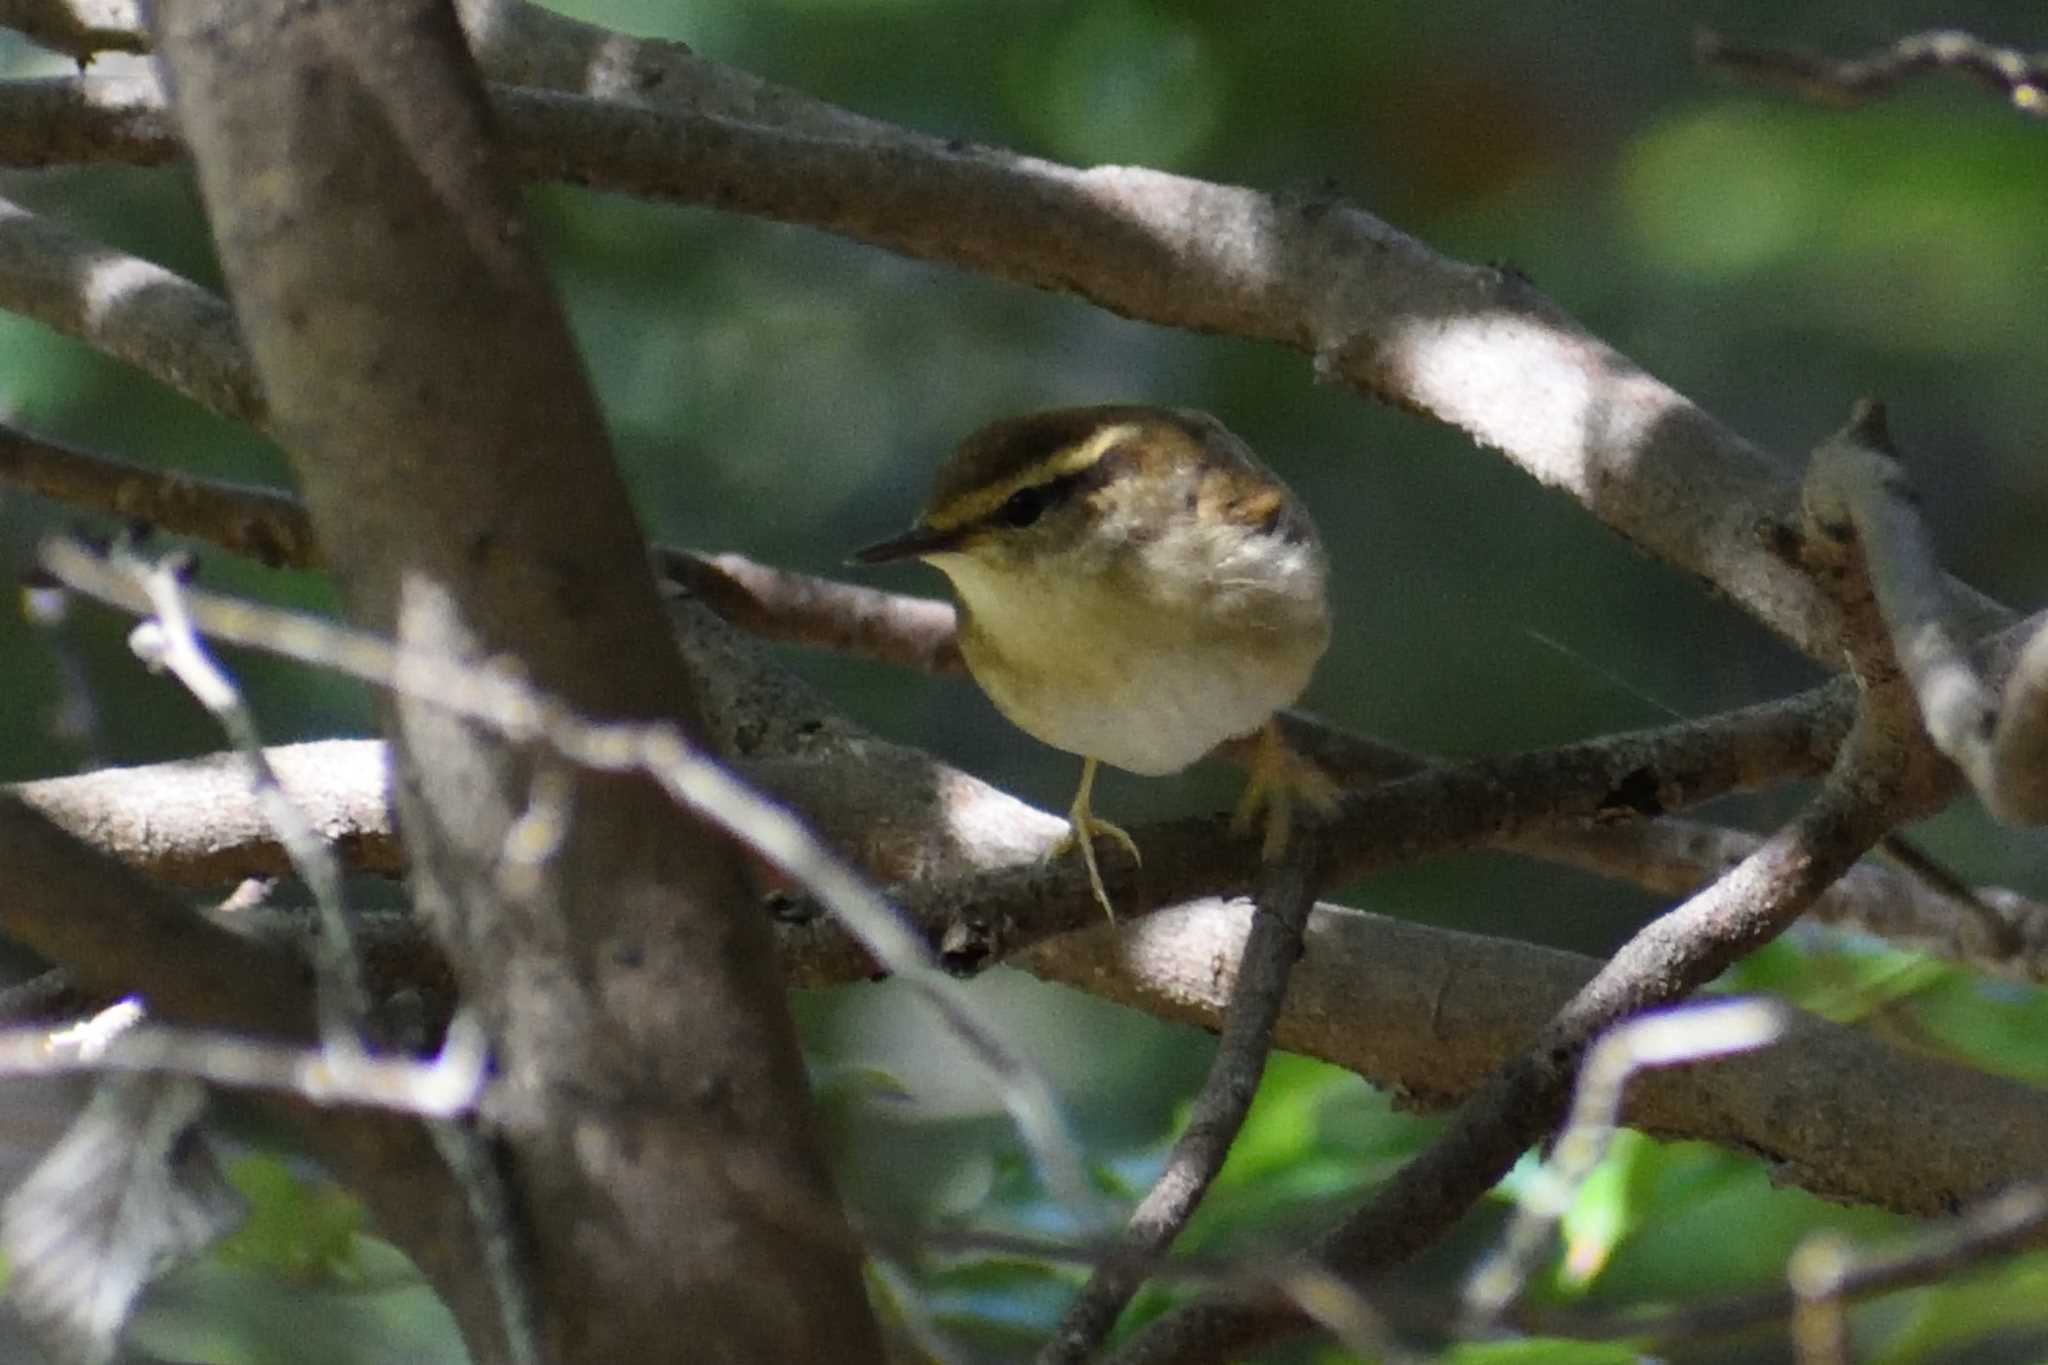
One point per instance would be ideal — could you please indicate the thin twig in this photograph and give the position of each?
(1992, 929)
(497, 698)
(169, 641)
(1286, 894)
(1674, 1037)
(2003, 936)
(473, 1161)
(1858, 496)
(2022, 79)
(266, 524)
(347, 1018)
(272, 527)
(776, 604)
(1522, 1100)
(1820, 1312)
(1357, 1323)
(2012, 1221)
(445, 1087)
(1857, 493)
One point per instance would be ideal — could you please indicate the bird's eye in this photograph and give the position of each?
(1024, 506)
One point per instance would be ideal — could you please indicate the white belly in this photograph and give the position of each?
(1150, 692)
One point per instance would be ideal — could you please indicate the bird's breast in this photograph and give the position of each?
(1145, 682)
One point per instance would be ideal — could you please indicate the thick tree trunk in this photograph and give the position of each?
(422, 381)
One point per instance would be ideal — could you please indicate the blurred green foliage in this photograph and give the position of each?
(786, 394)
(299, 1229)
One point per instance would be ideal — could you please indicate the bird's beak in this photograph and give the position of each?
(915, 543)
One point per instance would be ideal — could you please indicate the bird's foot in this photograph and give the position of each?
(1280, 780)
(1082, 827)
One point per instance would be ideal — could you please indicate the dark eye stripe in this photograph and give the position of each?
(1027, 505)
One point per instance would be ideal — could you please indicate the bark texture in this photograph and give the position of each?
(420, 376)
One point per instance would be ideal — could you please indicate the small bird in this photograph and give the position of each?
(1134, 587)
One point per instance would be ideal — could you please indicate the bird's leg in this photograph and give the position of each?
(1279, 778)
(1082, 827)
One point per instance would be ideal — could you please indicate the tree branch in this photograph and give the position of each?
(776, 604)
(664, 1146)
(1475, 348)
(2023, 80)
(118, 933)
(1858, 498)
(265, 524)
(2009, 1222)
(195, 823)
(126, 307)
(1876, 783)
(1419, 1011)
(202, 840)
(81, 29)
(1271, 950)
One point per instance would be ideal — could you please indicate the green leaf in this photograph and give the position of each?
(303, 1231)
(1541, 1351)
(1949, 1316)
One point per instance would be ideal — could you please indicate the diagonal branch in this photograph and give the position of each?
(1684, 1035)
(1475, 348)
(118, 933)
(1861, 504)
(1885, 773)
(1285, 897)
(134, 310)
(1875, 784)
(2022, 79)
(1675, 767)
(265, 524)
(776, 604)
(501, 702)
(199, 835)
(81, 29)
(2010, 1222)
(1420, 1011)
